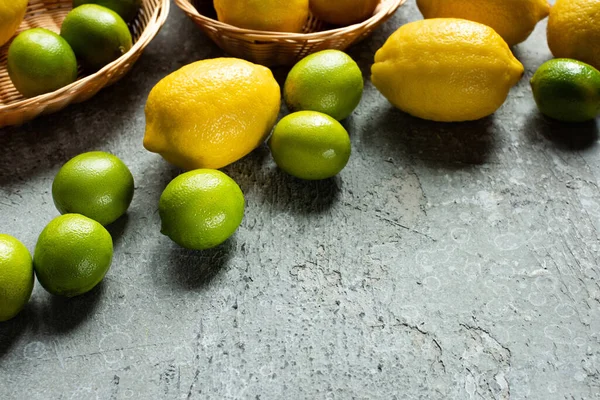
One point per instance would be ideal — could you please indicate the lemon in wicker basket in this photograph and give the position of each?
(264, 15)
(11, 15)
(344, 12)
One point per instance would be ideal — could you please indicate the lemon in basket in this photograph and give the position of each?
(16, 277)
(514, 20)
(97, 35)
(343, 12)
(264, 15)
(211, 113)
(12, 13)
(446, 69)
(40, 61)
(127, 9)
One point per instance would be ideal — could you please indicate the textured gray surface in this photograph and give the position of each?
(447, 261)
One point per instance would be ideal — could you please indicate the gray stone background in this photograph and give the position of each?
(447, 261)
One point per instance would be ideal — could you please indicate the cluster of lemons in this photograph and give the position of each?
(40, 61)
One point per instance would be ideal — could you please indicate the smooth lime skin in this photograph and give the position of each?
(567, 90)
(72, 255)
(40, 61)
(16, 277)
(95, 184)
(201, 209)
(310, 145)
(97, 35)
(127, 9)
(329, 81)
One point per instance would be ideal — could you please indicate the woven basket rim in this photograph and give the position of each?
(390, 7)
(155, 22)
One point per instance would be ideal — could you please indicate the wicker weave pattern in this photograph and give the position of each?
(274, 48)
(49, 14)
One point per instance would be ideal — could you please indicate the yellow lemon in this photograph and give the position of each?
(12, 13)
(574, 30)
(264, 15)
(343, 12)
(514, 20)
(446, 69)
(211, 113)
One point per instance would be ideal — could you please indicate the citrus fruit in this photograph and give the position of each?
(211, 113)
(72, 255)
(201, 209)
(567, 90)
(574, 30)
(310, 145)
(40, 61)
(328, 81)
(343, 12)
(11, 16)
(97, 35)
(95, 184)
(16, 277)
(263, 15)
(127, 9)
(514, 20)
(446, 69)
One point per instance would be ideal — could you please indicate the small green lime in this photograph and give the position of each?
(310, 145)
(201, 209)
(16, 277)
(40, 61)
(72, 255)
(567, 90)
(127, 9)
(328, 81)
(97, 35)
(95, 184)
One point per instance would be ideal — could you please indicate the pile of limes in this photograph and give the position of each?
(95, 32)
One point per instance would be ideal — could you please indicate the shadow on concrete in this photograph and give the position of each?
(61, 314)
(118, 228)
(11, 330)
(192, 270)
(566, 136)
(437, 144)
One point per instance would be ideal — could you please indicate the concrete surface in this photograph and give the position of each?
(447, 261)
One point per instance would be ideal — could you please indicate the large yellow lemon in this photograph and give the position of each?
(12, 13)
(446, 69)
(264, 15)
(574, 30)
(514, 20)
(211, 113)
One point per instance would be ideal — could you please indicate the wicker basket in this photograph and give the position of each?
(275, 48)
(15, 109)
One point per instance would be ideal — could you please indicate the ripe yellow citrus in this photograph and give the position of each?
(211, 113)
(446, 69)
(11, 16)
(574, 30)
(343, 12)
(514, 20)
(264, 15)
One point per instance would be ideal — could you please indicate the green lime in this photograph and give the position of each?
(201, 209)
(16, 277)
(127, 9)
(40, 61)
(310, 145)
(97, 35)
(95, 184)
(567, 90)
(72, 255)
(328, 81)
